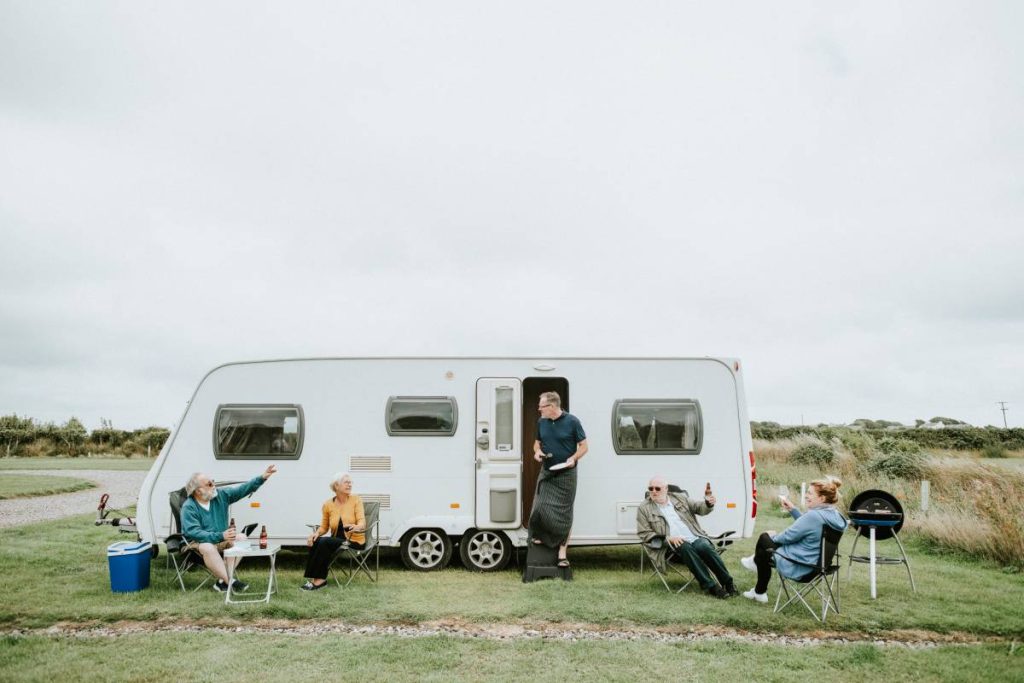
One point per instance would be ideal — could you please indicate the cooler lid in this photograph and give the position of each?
(128, 548)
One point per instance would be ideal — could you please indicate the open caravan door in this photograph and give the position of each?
(499, 453)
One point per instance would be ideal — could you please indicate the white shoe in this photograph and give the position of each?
(757, 597)
(748, 563)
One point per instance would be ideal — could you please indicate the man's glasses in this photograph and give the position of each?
(543, 405)
(654, 488)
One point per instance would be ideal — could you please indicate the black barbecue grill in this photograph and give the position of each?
(878, 516)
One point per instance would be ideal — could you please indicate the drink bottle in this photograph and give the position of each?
(263, 538)
(707, 490)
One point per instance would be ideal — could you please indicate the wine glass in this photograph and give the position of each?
(783, 491)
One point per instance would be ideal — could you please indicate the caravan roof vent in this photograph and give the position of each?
(543, 367)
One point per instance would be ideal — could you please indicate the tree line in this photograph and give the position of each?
(25, 437)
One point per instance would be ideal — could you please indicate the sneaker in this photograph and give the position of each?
(221, 586)
(239, 586)
(748, 563)
(756, 597)
(730, 591)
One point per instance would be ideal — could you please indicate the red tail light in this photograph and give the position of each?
(753, 485)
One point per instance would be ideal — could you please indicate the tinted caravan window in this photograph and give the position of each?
(421, 416)
(656, 426)
(258, 432)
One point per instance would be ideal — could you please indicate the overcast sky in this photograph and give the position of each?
(831, 192)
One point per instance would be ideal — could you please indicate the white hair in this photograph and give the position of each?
(193, 483)
(336, 480)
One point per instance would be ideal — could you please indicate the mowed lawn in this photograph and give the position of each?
(29, 485)
(94, 463)
(57, 571)
(219, 656)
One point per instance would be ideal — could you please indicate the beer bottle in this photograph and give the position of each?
(231, 524)
(263, 538)
(707, 490)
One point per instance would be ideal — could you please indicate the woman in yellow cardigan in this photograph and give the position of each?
(343, 516)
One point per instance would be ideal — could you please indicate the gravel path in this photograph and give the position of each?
(914, 640)
(123, 488)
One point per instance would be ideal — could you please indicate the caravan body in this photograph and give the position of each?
(446, 444)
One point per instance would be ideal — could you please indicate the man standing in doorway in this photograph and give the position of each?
(561, 443)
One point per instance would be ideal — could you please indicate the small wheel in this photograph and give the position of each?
(426, 549)
(483, 550)
(154, 551)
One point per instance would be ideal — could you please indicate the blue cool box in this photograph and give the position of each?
(129, 566)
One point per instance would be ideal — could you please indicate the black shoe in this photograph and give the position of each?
(717, 592)
(220, 586)
(239, 586)
(730, 591)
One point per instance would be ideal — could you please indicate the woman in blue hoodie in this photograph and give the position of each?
(800, 542)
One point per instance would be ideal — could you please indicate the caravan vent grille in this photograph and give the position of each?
(383, 498)
(370, 463)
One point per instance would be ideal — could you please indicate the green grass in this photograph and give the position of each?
(94, 463)
(278, 657)
(60, 572)
(29, 485)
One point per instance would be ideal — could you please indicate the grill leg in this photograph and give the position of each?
(906, 562)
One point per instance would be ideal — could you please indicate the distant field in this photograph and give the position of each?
(135, 464)
(30, 485)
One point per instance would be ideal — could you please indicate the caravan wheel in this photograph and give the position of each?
(483, 550)
(426, 549)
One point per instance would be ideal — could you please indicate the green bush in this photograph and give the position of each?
(860, 444)
(816, 454)
(899, 464)
(993, 450)
(889, 445)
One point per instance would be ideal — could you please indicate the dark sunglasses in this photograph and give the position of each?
(654, 488)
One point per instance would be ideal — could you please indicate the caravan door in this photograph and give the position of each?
(499, 488)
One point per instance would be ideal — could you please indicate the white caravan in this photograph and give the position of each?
(445, 446)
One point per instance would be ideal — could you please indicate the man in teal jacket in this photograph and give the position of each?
(204, 522)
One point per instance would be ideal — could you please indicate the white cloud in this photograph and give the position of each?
(832, 194)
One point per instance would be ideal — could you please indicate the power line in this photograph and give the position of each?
(1002, 407)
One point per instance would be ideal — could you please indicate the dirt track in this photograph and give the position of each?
(505, 632)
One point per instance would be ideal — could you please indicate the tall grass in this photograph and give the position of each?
(975, 508)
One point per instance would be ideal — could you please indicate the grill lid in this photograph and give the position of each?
(878, 509)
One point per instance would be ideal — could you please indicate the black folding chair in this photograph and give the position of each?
(822, 579)
(359, 559)
(721, 543)
(182, 554)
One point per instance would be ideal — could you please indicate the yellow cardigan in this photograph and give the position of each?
(349, 512)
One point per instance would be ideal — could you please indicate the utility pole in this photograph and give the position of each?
(1002, 407)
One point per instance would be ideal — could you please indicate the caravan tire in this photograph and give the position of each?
(426, 549)
(485, 550)
(154, 551)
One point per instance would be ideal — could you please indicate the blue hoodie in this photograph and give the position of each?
(802, 540)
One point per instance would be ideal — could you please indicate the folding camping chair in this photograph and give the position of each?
(721, 543)
(359, 560)
(823, 578)
(180, 552)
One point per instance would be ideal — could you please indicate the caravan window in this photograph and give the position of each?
(421, 416)
(258, 432)
(656, 426)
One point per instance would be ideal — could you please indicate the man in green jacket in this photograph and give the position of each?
(667, 526)
(204, 522)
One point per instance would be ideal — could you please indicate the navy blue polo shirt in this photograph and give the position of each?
(559, 437)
